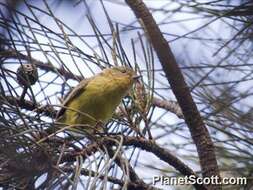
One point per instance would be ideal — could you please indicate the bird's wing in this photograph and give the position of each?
(73, 94)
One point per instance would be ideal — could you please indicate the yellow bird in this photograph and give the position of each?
(95, 99)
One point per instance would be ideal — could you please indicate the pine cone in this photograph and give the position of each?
(27, 74)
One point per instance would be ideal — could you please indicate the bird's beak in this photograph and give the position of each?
(136, 77)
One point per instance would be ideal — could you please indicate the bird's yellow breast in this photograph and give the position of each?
(97, 101)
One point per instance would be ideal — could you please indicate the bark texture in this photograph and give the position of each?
(179, 87)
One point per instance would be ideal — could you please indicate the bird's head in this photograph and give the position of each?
(123, 76)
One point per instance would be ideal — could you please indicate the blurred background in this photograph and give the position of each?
(71, 40)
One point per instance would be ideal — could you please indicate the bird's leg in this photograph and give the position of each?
(99, 128)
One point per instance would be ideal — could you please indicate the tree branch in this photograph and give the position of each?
(160, 152)
(130, 185)
(142, 143)
(47, 110)
(135, 182)
(169, 105)
(11, 53)
(179, 87)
